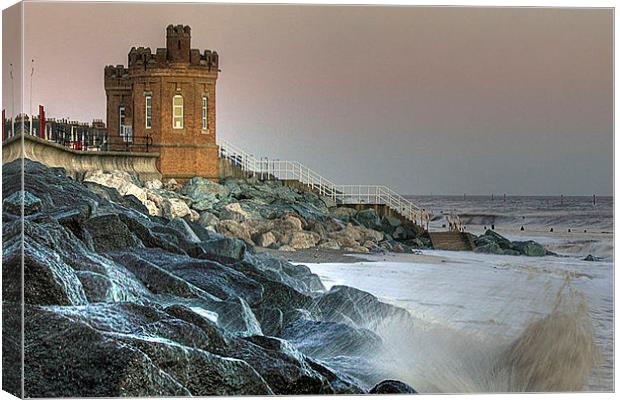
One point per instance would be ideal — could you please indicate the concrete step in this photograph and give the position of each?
(455, 241)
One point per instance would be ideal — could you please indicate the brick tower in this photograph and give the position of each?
(168, 100)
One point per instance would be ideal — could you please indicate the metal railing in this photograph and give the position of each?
(265, 168)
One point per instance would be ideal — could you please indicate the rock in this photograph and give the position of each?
(360, 307)
(265, 239)
(369, 218)
(235, 212)
(282, 367)
(208, 219)
(206, 203)
(222, 249)
(109, 233)
(182, 226)
(529, 248)
(286, 247)
(319, 339)
(590, 257)
(13, 203)
(173, 208)
(198, 188)
(489, 248)
(122, 358)
(125, 184)
(392, 387)
(343, 213)
(153, 184)
(292, 223)
(356, 249)
(47, 280)
(234, 229)
(302, 239)
(97, 287)
(172, 185)
(330, 244)
(493, 237)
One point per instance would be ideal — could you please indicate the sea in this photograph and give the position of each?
(499, 323)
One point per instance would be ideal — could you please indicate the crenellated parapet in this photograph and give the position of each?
(178, 51)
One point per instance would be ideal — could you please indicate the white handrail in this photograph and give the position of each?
(341, 194)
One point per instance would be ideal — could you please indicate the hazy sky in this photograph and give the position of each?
(441, 100)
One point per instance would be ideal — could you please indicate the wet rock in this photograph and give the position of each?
(225, 250)
(324, 339)
(123, 360)
(13, 203)
(590, 257)
(182, 226)
(47, 280)
(391, 387)
(364, 309)
(109, 233)
(529, 248)
(282, 367)
(97, 287)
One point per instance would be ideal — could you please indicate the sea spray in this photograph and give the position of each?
(553, 353)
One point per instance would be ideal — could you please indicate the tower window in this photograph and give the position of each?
(121, 118)
(147, 111)
(204, 112)
(177, 112)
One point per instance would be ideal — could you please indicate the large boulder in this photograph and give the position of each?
(110, 233)
(125, 183)
(369, 218)
(390, 386)
(530, 248)
(283, 367)
(173, 208)
(13, 203)
(200, 188)
(109, 351)
(347, 304)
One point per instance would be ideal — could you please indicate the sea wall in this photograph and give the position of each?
(77, 162)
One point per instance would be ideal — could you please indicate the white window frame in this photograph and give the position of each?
(204, 112)
(121, 119)
(174, 108)
(148, 111)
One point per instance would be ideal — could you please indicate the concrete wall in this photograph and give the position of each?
(78, 162)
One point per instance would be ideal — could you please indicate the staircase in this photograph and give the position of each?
(452, 240)
(341, 194)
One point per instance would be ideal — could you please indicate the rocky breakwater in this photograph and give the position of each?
(266, 214)
(129, 298)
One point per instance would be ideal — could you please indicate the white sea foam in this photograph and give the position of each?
(482, 320)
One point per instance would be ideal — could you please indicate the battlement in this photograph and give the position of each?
(116, 72)
(178, 50)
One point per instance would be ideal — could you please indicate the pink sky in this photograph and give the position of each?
(442, 100)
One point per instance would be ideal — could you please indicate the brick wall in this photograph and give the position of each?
(184, 153)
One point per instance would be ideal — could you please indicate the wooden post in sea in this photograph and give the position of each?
(593, 199)
(561, 199)
(504, 197)
(491, 196)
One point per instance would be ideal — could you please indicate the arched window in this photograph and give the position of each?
(177, 112)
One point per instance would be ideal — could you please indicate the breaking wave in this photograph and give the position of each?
(554, 353)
